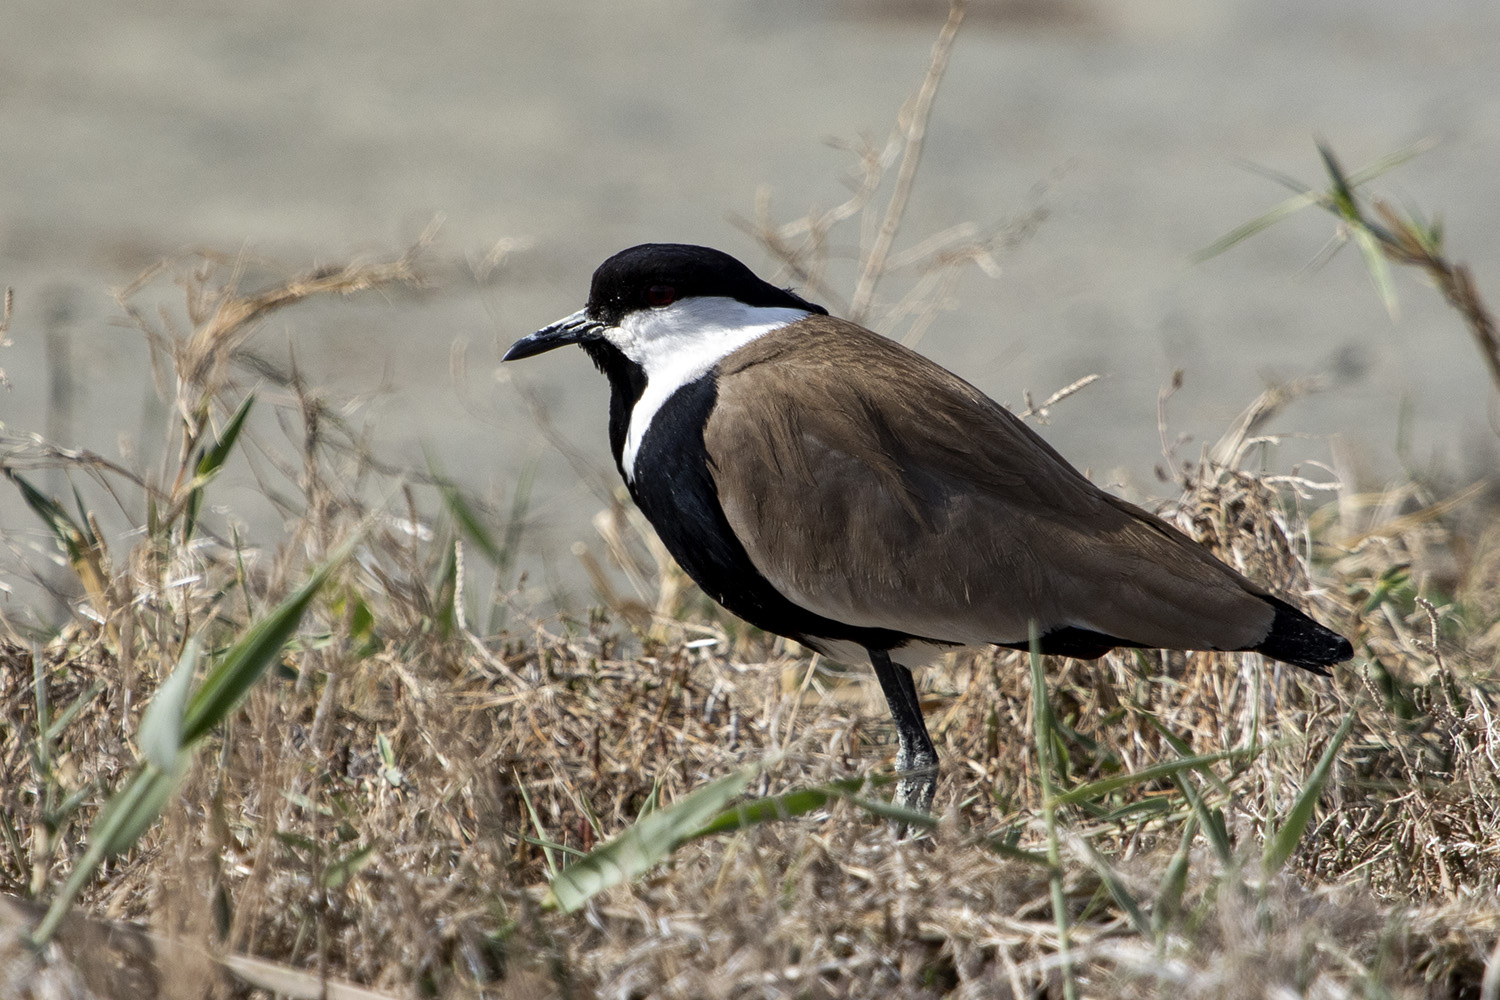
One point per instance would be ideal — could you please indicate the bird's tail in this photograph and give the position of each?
(1298, 640)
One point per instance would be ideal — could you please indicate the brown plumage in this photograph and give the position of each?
(877, 488)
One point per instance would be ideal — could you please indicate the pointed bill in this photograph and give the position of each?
(577, 328)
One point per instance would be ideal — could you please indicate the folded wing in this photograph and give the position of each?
(874, 487)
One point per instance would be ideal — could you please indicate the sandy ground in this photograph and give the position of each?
(305, 133)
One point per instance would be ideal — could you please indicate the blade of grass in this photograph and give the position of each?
(245, 661)
(645, 843)
(1283, 843)
(787, 805)
(1380, 271)
(904, 817)
(43, 711)
(1117, 890)
(470, 524)
(1041, 713)
(1004, 848)
(78, 541)
(346, 867)
(11, 838)
(124, 818)
(70, 713)
(49, 510)
(211, 461)
(1183, 748)
(1173, 884)
(1307, 196)
(541, 839)
(1243, 232)
(1166, 769)
(160, 732)
(1212, 820)
(515, 520)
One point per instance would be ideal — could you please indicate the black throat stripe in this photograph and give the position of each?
(674, 488)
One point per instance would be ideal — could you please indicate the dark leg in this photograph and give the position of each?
(917, 759)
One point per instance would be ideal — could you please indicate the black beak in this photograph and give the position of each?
(574, 329)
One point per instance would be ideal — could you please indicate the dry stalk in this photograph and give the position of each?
(1404, 243)
(914, 131)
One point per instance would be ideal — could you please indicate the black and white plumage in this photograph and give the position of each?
(827, 484)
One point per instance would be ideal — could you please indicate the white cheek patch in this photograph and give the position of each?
(679, 343)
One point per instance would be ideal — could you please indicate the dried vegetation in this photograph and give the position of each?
(381, 809)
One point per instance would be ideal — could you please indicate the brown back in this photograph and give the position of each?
(876, 488)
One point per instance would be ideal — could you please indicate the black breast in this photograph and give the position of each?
(674, 488)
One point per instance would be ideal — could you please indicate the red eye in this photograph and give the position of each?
(660, 295)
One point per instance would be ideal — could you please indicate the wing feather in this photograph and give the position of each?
(876, 488)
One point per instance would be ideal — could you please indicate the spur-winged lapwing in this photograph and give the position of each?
(827, 484)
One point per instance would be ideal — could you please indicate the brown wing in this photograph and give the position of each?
(875, 488)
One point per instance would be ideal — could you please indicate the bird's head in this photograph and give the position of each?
(661, 304)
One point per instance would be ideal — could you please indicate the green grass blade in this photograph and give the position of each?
(1006, 849)
(805, 800)
(446, 592)
(1166, 769)
(1337, 200)
(1046, 741)
(73, 538)
(85, 526)
(251, 655)
(908, 818)
(778, 807)
(69, 805)
(1212, 820)
(213, 459)
(1341, 193)
(43, 711)
(470, 524)
(1287, 181)
(515, 520)
(1380, 270)
(1117, 890)
(70, 713)
(646, 843)
(1173, 884)
(160, 732)
(541, 839)
(1183, 748)
(1390, 161)
(549, 846)
(1279, 847)
(1241, 233)
(127, 815)
(346, 867)
(168, 729)
(130, 811)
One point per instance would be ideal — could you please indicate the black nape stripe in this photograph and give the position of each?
(675, 490)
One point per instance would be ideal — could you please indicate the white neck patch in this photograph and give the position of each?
(681, 342)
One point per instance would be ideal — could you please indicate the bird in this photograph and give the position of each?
(828, 484)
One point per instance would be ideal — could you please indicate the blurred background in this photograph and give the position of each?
(1105, 142)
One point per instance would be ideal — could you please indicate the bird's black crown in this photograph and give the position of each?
(653, 274)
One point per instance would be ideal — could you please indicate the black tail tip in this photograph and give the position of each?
(1297, 639)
